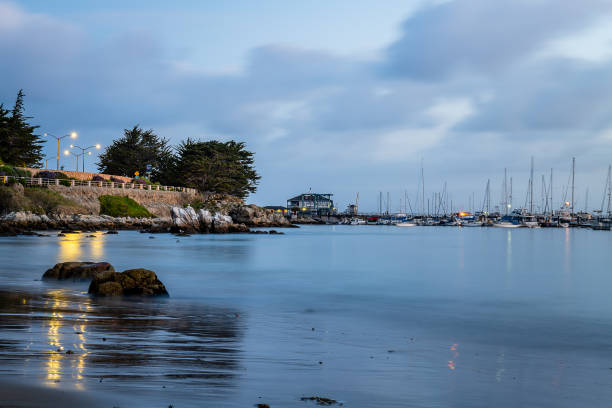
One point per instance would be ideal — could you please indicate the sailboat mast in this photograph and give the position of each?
(573, 177)
(505, 201)
(531, 188)
(510, 192)
(609, 187)
(552, 209)
(423, 187)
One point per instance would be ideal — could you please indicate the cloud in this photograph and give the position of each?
(472, 86)
(482, 36)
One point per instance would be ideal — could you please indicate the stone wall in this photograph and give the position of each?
(158, 203)
(79, 175)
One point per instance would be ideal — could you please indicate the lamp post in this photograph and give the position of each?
(68, 152)
(83, 150)
(49, 158)
(72, 135)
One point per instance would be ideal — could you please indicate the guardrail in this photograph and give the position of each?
(45, 182)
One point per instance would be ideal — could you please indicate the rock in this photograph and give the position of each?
(133, 282)
(321, 401)
(112, 232)
(77, 271)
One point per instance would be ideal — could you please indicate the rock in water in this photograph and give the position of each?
(77, 271)
(133, 282)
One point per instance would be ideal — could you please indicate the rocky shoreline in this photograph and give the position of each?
(182, 220)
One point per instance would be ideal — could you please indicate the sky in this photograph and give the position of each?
(338, 97)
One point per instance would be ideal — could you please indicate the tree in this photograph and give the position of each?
(19, 145)
(215, 166)
(134, 151)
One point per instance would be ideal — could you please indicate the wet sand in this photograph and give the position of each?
(19, 395)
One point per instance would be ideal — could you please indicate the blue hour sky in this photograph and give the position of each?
(341, 96)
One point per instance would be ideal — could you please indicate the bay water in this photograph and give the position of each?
(365, 315)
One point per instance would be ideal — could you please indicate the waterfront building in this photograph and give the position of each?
(311, 204)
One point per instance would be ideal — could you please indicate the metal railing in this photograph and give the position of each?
(45, 182)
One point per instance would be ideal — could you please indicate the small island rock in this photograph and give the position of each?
(133, 282)
(77, 271)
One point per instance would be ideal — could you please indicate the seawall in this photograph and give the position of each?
(158, 203)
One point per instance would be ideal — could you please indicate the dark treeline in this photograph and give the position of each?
(19, 144)
(209, 166)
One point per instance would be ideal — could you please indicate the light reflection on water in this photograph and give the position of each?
(372, 316)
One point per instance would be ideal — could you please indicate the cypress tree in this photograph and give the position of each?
(19, 145)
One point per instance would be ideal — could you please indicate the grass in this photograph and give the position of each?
(33, 199)
(121, 206)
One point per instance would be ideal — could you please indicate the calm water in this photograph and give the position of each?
(370, 316)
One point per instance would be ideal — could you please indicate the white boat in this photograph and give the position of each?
(406, 224)
(506, 224)
(357, 221)
(472, 224)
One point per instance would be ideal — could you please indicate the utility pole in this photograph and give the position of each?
(586, 201)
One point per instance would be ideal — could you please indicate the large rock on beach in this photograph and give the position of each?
(133, 282)
(77, 271)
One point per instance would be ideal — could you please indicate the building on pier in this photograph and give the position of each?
(311, 204)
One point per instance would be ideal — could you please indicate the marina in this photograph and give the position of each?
(440, 210)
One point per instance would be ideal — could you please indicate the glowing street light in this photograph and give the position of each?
(83, 150)
(68, 152)
(72, 135)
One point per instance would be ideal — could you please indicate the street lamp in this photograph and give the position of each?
(49, 158)
(68, 152)
(83, 150)
(72, 135)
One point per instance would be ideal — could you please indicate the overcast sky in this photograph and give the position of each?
(338, 96)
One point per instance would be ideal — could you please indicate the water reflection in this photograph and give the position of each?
(76, 247)
(78, 341)
(452, 363)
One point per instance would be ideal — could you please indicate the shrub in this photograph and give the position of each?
(98, 178)
(139, 181)
(14, 171)
(45, 174)
(121, 206)
(117, 180)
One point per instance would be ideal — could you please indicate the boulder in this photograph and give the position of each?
(77, 271)
(133, 282)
